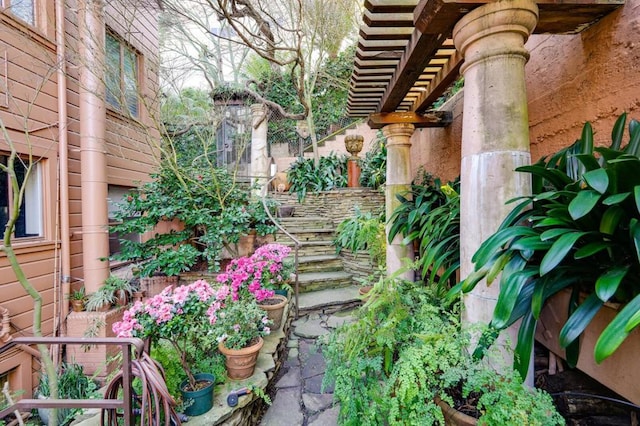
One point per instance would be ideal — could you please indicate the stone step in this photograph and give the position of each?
(327, 298)
(316, 248)
(320, 263)
(311, 236)
(313, 281)
(292, 224)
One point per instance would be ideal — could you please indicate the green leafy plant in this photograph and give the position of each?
(374, 164)
(430, 217)
(362, 231)
(405, 350)
(579, 231)
(108, 293)
(78, 294)
(72, 384)
(214, 209)
(305, 177)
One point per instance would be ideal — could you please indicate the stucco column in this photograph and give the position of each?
(398, 182)
(93, 157)
(259, 155)
(495, 132)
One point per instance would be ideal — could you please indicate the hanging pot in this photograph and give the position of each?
(198, 401)
(241, 362)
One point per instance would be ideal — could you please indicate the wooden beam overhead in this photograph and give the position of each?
(420, 50)
(445, 78)
(390, 6)
(556, 16)
(385, 33)
(388, 19)
(405, 47)
(379, 54)
(378, 45)
(371, 63)
(431, 119)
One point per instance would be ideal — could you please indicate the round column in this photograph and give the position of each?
(495, 130)
(93, 152)
(259, 156)
(398, 182)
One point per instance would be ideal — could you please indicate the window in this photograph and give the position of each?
(29, 223)
(116, 195)
(121, 75)
(22, 9)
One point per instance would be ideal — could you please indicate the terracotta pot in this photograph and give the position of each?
(364, 290)
(453, 417)
(274, 307)
(241, 362)
(77, 305)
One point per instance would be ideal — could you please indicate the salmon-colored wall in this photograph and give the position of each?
(592, 76)
(30, 78)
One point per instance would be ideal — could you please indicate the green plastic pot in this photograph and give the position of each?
(200, 401)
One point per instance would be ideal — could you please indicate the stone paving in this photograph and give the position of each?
(300, 399)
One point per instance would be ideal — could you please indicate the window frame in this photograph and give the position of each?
(34, 196)
(120, 101)
(7, 5)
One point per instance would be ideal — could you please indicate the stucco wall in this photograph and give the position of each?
(592, 76)
(438, 149)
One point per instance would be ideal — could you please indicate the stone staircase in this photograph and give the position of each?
(323, 280)
(319, 267)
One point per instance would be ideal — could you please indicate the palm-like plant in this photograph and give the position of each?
(579, 230)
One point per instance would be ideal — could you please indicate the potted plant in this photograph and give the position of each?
(240, 326)
(77, 299)
(260, 277)
(406, 354)
(579, 231)
(114, 290)
(183, 316)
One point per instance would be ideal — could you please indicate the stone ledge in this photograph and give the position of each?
(250, 407)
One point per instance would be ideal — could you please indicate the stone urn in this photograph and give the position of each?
(354, 144)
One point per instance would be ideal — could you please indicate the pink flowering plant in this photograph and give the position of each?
(194, 318)
(184, 316)
(239, 324)
(256, 277)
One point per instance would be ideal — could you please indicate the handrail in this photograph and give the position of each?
(125, 404)
(296, 243)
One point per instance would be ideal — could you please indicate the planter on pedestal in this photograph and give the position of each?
(274, 307)
(198, 401)
(241, 362)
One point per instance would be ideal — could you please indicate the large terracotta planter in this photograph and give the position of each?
(274, 307)
(241, 362)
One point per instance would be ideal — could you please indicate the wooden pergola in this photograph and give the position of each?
(405, 59)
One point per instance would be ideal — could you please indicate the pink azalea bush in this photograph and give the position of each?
(258, 275)
(193, 318)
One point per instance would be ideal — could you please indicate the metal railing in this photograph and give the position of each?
(125, 404)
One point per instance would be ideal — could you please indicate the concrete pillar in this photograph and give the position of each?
(495, 129)
(259, 156)
(93, 157)
(398, 182)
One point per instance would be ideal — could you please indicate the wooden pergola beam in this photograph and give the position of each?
(430, 119)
